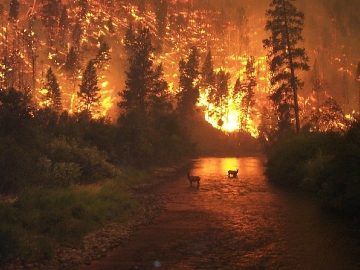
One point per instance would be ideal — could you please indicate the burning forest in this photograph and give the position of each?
(47, 40)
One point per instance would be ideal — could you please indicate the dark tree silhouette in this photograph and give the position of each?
(129, 40)
(14, 10)
(88, 94)
(220, 95)
(139, 76)
(76, 35)
(50, 13)
(15, 109)
(188, 95)
(53, 95)
(207, 72)
(63, 24)
(161, 10)
(72, 64)
(285, 23)
(248, 90)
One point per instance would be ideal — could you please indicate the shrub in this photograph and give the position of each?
(288, 159)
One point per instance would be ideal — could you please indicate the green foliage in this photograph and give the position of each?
(287, 158)
(323, 163)
(15, 110)
(42, 218)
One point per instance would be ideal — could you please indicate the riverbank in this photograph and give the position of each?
(98, 243)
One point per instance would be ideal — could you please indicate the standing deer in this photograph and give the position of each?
(193, 178)
(233, 173)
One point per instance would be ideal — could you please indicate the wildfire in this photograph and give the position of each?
(200, 32)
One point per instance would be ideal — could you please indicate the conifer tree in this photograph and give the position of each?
(161, 10)
(139, 76)
(248, 90)
(14, 10)
(145, 93)
(221, 94)
(129, 40)
(72, 64)
(285, 23)
(159, 98)
(64, 19)
(50, 13)
(208, 77)
(53, 95)
(88, 94)
(188, 95)
(207, 72)
(76, 35)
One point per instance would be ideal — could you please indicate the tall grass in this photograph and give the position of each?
(40, 218)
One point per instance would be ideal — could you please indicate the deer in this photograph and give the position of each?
(233, 173)
(193, 178)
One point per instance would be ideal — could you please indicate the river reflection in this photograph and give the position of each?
(269, 228)
(237, 223)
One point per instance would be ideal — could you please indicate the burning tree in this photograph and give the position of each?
(89, 91)
(285, 23)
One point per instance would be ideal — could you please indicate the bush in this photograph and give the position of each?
(288, 159)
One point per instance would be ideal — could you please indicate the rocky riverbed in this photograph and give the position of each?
(97, 244)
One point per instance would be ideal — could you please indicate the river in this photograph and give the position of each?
(237, 223)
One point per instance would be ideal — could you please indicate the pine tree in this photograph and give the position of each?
(14, 10)
(88, 94)
(76, 35)
(208, 77)
(285, 24)
(72, 64)
(188, 95)
(161, 10)
(159, 97)
(248, 90)
(139, 76)
(129, 40)
(221, 94)
(50, 13)
(64, 19)
(53, 96)
(207, 72)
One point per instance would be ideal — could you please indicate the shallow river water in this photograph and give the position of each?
(237, 223)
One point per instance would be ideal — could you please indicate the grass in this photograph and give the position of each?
(41, 218)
